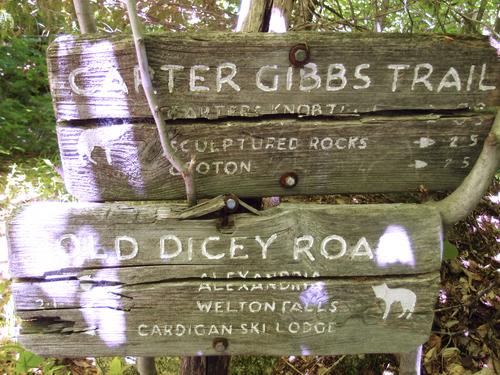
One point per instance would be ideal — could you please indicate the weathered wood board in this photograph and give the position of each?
(131, 278)
(360, 154)
(213, 75)
(263, 317)
(50, 239)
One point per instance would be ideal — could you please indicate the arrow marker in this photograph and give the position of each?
(425, 142)
(419, 164)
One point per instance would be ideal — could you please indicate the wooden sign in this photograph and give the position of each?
(213, 75)
(134, 279)
(124, 161)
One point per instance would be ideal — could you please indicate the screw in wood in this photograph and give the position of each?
(231, 202)
(299, 55)
(289, 180)
(220, 344)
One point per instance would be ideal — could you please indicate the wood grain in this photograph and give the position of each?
(366, 154)
(164, 318)
(355, 73)
(113, 278)
(51, 240)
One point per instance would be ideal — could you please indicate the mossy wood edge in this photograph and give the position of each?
(214, 75)
(248, 158)
(89, 279)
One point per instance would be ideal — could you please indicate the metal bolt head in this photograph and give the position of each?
(289, 180)
(299, 55)
(231, 204)
(220, 344)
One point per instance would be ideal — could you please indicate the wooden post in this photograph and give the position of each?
(409, 363)
(146, 365)
(85, 17)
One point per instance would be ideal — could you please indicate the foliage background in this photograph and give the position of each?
(465, 337)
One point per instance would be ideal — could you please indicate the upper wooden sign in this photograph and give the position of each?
(213, 75)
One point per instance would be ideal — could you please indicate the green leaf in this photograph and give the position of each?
(116, 367)
(27, 361)
(12, 347)
(450, 251)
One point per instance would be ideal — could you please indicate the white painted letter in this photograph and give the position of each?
(340, 75)
(343, 247)
(193, 78)
(114, 82)
(366, 252)
(363, 77)
(259, 83)
(171, 69)
(135, 247)
(227, 79)
(140, 328)
(73, 85)
(170, 237)
(204, 248)
(265, 246)
(451, 73)
(481, 79)
(425, 78)
(74, 240)
(304, 249)
(397, 68)
(313, 74)
(234, 246)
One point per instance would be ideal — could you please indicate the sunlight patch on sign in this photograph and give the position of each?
(394, 246)
(89, 83)
(58, 252)
(50, 255)
(103, 310)
(120, 148)
(304, 350)
(315, 295)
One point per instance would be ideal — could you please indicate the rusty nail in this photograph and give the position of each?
(289, 180)
(299, 55)
(220, 344)
(231, 202)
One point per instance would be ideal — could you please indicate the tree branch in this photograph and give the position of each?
(85, 17)
(185, 169)
(465, 198)
(251, 17)
(280, 12)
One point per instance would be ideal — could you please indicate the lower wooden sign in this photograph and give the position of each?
(249, 158)
(266, 317)
(134, 279)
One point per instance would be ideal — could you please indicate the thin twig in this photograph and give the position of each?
(334, 365)
(293, 368)
(467, 18)
(185, 169)
(410, 18)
